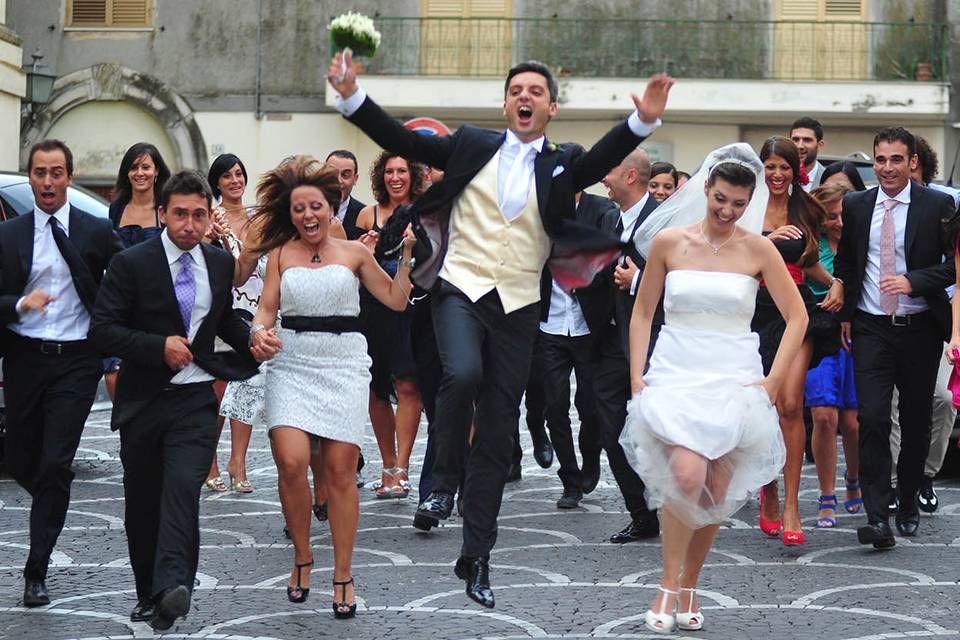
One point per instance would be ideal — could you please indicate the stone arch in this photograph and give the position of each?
(114, 82)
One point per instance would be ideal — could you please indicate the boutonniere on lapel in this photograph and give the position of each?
(552, 147)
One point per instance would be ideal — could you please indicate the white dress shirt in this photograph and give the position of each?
(628, 219)
(201, 305)
(515, 173)
(814, 176)
(65, 318)
(342, 209)
(565, 317)
(950, 191)
(870, 299)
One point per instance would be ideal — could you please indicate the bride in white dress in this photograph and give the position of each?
(701, 429)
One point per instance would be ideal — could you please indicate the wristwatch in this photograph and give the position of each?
(410, 264)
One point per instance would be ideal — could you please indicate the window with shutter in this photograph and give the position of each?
(820, 40)
(461, 44)
(109, 13)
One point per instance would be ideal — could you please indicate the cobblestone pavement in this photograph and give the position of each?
(554, 574)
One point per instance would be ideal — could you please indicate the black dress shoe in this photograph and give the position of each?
(35, 593)
(591, 474)
(877, 534)
(476, 572)
(894, 505)
(143, 612)
(515, 473)
(639, 529)
(173, 604)
(570, 499)
(908, 516)
(542, 449)
(437, 507)
(927, 498)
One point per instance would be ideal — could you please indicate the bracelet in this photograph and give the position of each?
(410, 264)
(255, 329)
(835, 280)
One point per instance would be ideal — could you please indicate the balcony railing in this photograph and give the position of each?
(709, 49)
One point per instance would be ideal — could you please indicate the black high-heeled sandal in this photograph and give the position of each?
(299, 593)
(320, 511)
(342, 610)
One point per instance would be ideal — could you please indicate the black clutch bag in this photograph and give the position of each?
(389, 246)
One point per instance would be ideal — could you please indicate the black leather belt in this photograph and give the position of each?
(899, 321)
(50, 347)
(326, 324)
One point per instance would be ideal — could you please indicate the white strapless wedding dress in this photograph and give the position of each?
(700, 397)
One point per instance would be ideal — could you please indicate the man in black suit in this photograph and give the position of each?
(570, 324)
(896, 312)
(161, 304)
(51, 264)
(347, 174)
(505, 199)
(627, 187)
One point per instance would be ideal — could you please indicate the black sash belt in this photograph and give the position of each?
(327, 324)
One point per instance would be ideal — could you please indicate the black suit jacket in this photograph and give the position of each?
(924, 243)
(137, 309)
(560, 172)
(350, 219)
(622, 299)
(595, 299)
(93, 237)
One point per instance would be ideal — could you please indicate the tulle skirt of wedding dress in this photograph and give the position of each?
(701, 398)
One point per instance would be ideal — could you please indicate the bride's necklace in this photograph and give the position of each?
(716, 247)
(315, 259)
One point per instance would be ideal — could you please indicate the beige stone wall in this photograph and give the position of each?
(12, 87)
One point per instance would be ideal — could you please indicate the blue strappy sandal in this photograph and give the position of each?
(827, 502)
(852, 506)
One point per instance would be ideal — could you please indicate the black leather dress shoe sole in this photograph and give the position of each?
(591, 478)
(35, 594)
(174, 604)
(871, 534)
(424, 522)
(635, 532)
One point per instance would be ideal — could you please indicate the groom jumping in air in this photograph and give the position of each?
(506, 202)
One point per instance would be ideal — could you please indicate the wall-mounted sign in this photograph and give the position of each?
(427, 126)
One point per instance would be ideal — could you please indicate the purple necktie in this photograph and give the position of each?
(888, 256)
(185, 288)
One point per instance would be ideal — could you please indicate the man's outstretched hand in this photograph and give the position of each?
(346, 86)
(654, 100)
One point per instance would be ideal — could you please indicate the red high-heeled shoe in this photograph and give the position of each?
(770, 528)
(793, 538)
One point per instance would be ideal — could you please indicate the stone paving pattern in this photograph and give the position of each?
(553, 572)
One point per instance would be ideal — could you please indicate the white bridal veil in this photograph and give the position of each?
(689, 203)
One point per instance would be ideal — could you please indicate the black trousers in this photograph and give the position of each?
(485, 354)
(166, 456)
(48, 400)
(534, 403)
(612, 392)
(556, 357)
(884, 356)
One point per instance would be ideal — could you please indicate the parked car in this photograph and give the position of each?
(863, 162)
(16, 199)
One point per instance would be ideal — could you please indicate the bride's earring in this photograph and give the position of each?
(790, 189)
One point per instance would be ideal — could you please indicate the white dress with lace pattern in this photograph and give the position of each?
(319, 382)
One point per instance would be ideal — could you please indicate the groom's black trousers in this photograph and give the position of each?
(485, 355)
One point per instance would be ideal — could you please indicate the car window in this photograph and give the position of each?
(19, 198)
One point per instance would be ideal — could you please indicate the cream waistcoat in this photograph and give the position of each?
(488, 252)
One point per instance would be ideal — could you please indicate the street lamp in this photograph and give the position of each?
(40, 80)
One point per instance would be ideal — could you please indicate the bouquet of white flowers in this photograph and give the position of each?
(356, 32)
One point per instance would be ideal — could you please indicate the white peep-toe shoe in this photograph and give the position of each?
(661, 622)
(690, 620)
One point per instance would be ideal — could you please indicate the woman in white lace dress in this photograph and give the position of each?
(316, 387)
(702, 431)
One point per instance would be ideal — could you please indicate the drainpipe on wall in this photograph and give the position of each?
(258, 113)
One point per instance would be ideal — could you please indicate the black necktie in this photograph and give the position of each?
(619, 227)
(82, 280)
